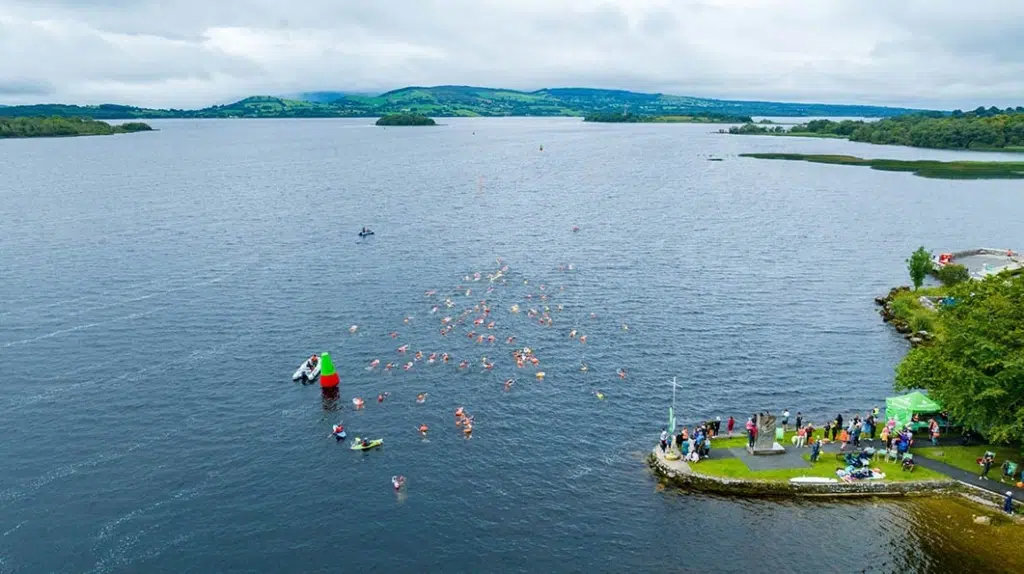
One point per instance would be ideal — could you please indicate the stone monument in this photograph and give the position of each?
(765, 442)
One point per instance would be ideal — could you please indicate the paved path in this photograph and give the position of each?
(992, 484)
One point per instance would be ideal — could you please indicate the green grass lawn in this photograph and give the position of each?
(825, 467)
(965, 457)
(739, 439)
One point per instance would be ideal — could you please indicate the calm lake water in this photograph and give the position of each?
(157, 291)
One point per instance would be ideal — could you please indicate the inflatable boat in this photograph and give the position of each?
(306, 374)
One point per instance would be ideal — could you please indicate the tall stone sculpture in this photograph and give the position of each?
(765, 442)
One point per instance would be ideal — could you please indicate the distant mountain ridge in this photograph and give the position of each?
(465, 101)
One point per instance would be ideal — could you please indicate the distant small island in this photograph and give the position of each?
(703, 118)
(922, 168)
(54, 127)
(406, 120)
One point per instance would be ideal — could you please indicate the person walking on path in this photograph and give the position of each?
(729, 425)
(785, 419)
(815, 451)
(664, 440)
(844, 437)
(986, 465)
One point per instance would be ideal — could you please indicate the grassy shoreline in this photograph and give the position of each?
(921, 168)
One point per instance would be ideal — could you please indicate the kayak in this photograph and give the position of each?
(340, 436)
(365, 233)
(304, 374)
(358, 444)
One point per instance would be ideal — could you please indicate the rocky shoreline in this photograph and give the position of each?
(915, 338)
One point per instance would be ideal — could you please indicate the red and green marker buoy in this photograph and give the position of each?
(328, 377)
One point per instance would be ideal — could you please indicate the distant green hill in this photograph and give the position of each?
(454, 101)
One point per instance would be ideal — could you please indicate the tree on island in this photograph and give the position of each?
(406, 119)
(976, 371)
(919, 265)
(43, 127)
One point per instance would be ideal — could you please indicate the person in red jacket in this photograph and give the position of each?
(730, 424)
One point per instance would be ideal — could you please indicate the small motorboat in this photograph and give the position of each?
(307, 374)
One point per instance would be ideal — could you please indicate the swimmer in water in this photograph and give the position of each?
(445, 357)
(407, 366)
(423, 430)
(382, 396)
(403, 348)
(584, 367)
(572, 334)
(373, 364)
(389, 366)
(421, 398)
(508, 384)
(599, 395)
(583, 340)
(622, 373)
(393, 334)
(358, 402)
(510, 340)
(464, 364)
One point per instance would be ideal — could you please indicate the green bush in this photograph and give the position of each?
(952, 274)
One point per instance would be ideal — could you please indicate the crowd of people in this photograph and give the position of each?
(691, 446)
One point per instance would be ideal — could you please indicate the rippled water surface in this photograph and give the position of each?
(157, 290)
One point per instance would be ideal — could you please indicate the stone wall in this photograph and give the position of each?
(765, 488)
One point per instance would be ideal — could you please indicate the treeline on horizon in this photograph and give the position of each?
(467, 101)
(982, 128)
(39, 127)
(702, 117)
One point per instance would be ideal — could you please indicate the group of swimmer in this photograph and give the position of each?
(479, 315)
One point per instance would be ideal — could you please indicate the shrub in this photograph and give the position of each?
(952, 274)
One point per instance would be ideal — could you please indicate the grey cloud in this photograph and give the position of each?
(946, 53)
(25, 87)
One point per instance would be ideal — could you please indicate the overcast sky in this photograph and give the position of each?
(192, 53)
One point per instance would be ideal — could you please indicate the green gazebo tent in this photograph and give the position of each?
(904, 407)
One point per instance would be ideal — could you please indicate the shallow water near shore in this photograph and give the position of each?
(158, 290)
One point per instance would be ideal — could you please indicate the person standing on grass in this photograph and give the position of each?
(844, 437)
(801, 437)
(1008, 503)
(785, 419)
(729, 425)
(986, 465)
(826, 429)
(815, 451)
(751, 432)
(933, 431)
(799, 419)
(810, 433)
